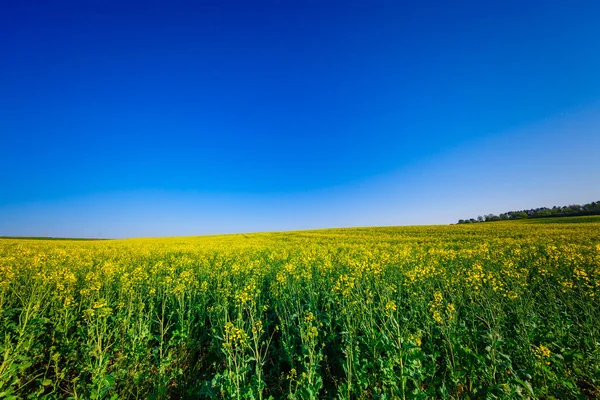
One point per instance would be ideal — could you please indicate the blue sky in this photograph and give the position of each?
(123, 119)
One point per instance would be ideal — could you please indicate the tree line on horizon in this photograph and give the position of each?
(574, 210)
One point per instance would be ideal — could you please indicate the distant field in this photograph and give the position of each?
(43, 238)
(491, 310)
(564, 220)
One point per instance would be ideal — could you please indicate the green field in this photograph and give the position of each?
(495, 310)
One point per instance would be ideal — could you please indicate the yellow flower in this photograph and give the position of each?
(543, 353)
(390, 306)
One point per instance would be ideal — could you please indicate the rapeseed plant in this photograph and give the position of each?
(500, 310)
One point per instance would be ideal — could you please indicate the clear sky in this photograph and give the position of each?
(121, 119)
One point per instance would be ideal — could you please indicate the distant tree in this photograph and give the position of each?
(491, 218)
(592, 208)
(512, 214)
(542, 212)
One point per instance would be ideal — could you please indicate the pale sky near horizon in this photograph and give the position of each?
(168, 119)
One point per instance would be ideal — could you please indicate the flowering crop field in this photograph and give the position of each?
(492, 310)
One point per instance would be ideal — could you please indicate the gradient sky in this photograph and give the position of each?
(121, 119)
